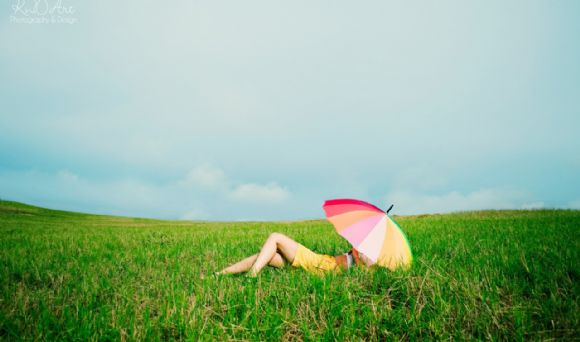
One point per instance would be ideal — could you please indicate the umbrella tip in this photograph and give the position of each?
(391, 207)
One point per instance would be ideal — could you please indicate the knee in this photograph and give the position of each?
(276, 236)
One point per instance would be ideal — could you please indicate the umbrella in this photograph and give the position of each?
(371, 231)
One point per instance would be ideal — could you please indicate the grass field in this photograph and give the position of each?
(485, 275)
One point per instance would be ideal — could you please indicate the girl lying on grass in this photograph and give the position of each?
(280, 249)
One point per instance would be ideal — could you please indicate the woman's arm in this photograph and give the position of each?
(361, 259)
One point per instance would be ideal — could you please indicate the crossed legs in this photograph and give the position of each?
(276, 251)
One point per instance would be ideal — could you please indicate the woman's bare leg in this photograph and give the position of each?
(275, 243)
(245, 264)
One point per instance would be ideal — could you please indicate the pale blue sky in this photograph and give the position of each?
(263, 109)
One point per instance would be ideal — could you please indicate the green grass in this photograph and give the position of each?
(483, 275)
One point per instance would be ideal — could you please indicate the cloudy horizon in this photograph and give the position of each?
(261, 110)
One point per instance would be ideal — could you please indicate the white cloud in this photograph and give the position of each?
(495, 198)
(200, 195)
(206, 176)
(210, 177)
(220, 186)
(251, 192)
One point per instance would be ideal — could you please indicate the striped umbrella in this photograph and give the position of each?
(371, 231)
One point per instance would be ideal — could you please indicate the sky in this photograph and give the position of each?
(262, 110)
